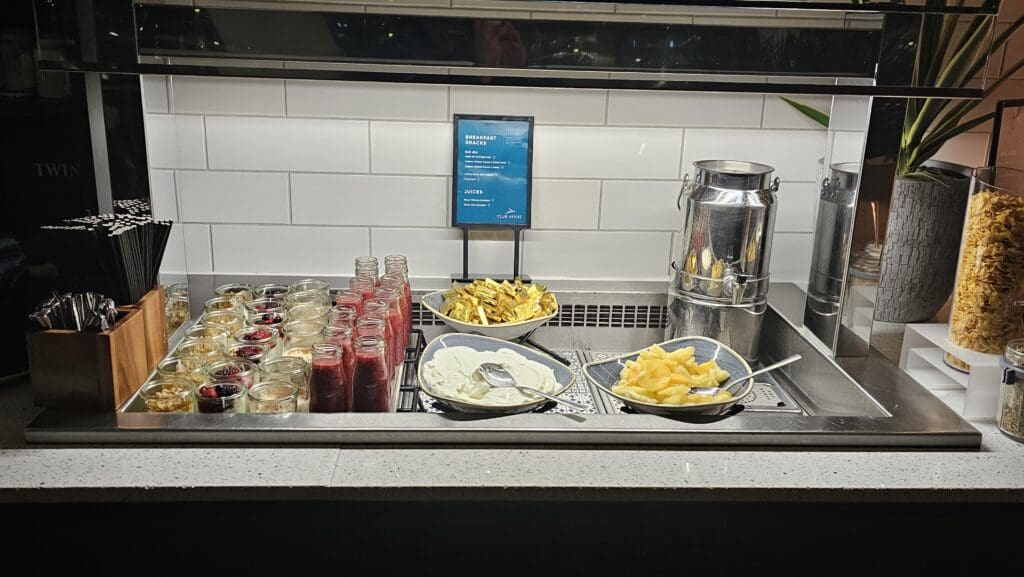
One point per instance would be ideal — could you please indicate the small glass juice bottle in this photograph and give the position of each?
(328, 387)
(370, 384)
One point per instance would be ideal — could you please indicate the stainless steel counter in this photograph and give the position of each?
(854, 403)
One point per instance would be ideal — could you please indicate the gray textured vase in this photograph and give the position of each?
(921, 246)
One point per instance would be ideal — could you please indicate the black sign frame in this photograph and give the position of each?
(456, 120)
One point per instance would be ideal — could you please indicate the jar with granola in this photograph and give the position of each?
(988, 301)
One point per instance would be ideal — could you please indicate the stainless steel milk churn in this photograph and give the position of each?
(720, 283)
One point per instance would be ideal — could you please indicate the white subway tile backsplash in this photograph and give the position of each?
(374, 101)
(639, 108)
(154, 94)
(566, 204)
(779, 114)
(596, 254)
(411, 148)
(287, 144)
(793, 154)
(174, 255)
(197, 248)
(791, 257)
(175, 141)
(299, 250)
(369, 200)
(234, 96)
(546, 105)
(163, 198)
(640, 205)
(591, 152)
(437, 252)
(239, 197)
(797, 206)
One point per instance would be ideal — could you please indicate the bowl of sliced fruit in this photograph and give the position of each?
(682, 376)
(501, 310)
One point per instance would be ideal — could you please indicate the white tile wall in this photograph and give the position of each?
(640, 205)
(793, 153)
(299, 144)
(234, 96)
(566, 204)
(300, 177)
(779, 114)
(233, 197)
(592, 152)
(265, 249)
(640, 108)
(367, 100)
(411, 148)
(358, 199)
(546, 105)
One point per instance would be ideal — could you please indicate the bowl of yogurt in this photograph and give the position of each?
(448, 372)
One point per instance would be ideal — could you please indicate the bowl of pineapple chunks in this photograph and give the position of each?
(658, 379)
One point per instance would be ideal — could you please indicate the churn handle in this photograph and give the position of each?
(682, 189)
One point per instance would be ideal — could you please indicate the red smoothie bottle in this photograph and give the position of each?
(367, 326)
(350, 298)
(370, 383)
(328, 387)
(342, 336)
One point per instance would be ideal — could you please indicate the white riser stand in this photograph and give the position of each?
(973, 396)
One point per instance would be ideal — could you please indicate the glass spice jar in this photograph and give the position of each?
(270, 291)
(214, 332)
(988, 301)
(253, 353)
(1011, 395)
(273, 397)
(235, 371)
(310, 297)
(371, 390)
(242, 292)
(224, 304)
(267, 336)
(292, 370)
(300, 336)
(226, 319)
(174, 367)
(328, 387)
(167, 395)
(199, 353)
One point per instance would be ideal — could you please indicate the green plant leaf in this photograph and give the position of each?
(815, 114)
(927, 177)
(933, 143)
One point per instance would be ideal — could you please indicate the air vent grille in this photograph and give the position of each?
(612, 316)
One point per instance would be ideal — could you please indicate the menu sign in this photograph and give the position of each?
(493, 164)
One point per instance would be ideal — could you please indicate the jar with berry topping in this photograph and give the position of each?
(275, 320)
(235, 371)
(300, 336)
(211, 332)
(371, 387)
(174, 367)
(295, 299)
(292, 370)
(167, 395)
(225, 319)
(264, 305)
(242, 292)
(273, 397)
(199, 353)
(267, 336)
(220, 397)
(270, 291)
(248, 352)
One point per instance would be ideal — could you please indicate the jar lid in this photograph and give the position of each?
(1014, 353)
(732, 174)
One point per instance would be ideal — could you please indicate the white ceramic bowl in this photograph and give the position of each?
(507, 331)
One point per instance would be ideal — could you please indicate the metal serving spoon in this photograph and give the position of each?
(715, 390)
(498, 376)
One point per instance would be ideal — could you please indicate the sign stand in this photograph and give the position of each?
(492, 182)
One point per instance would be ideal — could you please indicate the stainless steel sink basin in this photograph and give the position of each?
(817, 402)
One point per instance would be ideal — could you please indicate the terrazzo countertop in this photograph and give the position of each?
(34, 474)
